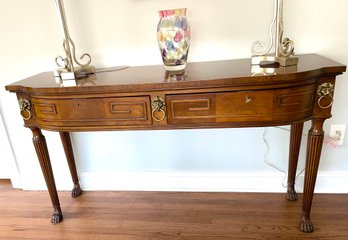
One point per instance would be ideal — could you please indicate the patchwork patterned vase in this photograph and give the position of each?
(173, 35)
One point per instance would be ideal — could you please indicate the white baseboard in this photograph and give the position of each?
(332, 182)
(187, 181)
(327, 182)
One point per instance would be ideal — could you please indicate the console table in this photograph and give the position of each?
(217, 94)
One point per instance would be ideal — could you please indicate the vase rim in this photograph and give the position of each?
(171, 12)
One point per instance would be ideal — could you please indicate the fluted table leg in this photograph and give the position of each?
(294, 150)
(45, 163)
(314, 146)
(66, 141)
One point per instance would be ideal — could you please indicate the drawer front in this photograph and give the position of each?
(93, 111)
(244, 106)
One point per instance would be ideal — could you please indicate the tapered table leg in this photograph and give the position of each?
(45, 163)
(66, 141)
(294, 150)
(314, 146)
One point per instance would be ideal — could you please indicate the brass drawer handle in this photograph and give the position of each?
(248, 99)
(25, 106)
(158, 106)
(161, 118)
(324, 107)
(325, 90)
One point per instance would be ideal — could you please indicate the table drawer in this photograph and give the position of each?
(96, 111)
(243, 106)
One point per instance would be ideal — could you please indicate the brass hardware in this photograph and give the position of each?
(248, 99)
(25, 106)
(325, 90)
(158, 105)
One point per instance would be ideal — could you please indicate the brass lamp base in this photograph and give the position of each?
(257, 70)
(271, 59)
(69, 78)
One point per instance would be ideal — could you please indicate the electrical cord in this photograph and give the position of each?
(267, 161)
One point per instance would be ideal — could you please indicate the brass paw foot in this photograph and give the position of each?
(57, 215)
(291, 194)
(306, 224)
(76, 190)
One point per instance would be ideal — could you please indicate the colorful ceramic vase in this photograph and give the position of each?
(173, 35)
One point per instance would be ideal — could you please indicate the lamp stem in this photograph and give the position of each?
(283, 47)
(279, 15)
(65, 31)
(67, 71)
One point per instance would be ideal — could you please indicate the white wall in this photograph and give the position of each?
(9, 168)
(123, 32)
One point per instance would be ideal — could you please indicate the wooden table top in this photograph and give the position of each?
(229, 73)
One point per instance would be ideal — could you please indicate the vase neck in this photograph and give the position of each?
(172, 12)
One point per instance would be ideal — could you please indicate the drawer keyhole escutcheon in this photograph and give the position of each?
(25, 106)
(158, 109)
(248, 99)
(325, 90)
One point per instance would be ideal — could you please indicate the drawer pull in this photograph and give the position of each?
(25, 106)
(328, 105)
(325, 90)
(248, 99)
(158, 109)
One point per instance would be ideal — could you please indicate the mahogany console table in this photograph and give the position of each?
(218, 94)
